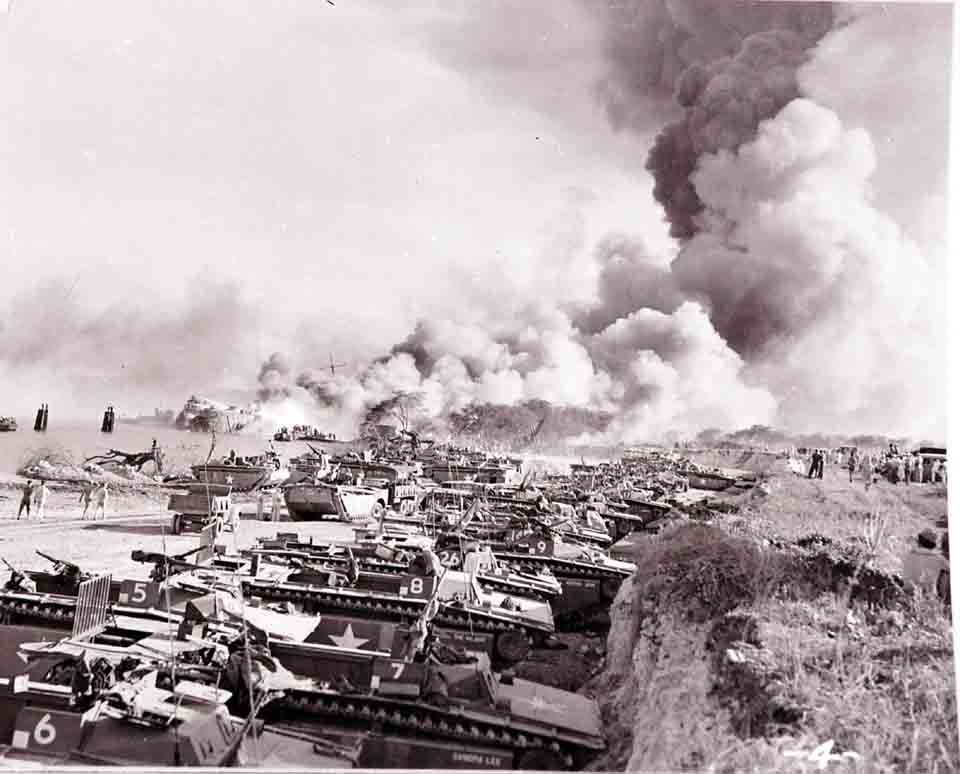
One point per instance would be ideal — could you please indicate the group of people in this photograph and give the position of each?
(33, 499)
(817, 458)
(896, 466)
(95, 495)
(34, 495)
(909, 468)
(276, 502)
(240, 462)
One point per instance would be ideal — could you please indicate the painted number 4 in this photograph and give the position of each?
(44, 733)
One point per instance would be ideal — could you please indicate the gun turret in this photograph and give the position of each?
(18, 580)
(164, 564)
(63, 566)
(151, 557)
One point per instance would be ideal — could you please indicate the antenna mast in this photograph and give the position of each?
(335, 366)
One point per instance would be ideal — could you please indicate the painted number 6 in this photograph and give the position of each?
(44, 733)
(416, 586)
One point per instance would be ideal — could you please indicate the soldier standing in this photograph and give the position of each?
(41, 498)
(816, 469)
(86, 497)
(25, 499)
(100, 505)
(235, 518)
(852, 463)
(276, 504)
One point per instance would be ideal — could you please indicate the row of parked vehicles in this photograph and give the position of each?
(398, 648)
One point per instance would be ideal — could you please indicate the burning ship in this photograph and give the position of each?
(204, 415)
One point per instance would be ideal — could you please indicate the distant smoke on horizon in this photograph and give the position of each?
(792, 297)
(123, 354)
(796, 152)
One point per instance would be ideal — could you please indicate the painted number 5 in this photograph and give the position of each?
(139, 592)
(44, 733)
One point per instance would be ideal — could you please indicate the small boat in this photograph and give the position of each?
(486, 474)
(303, 433)
(315, 502)
(242, 474)
(377, 470)
(716, 482)
(8, 424)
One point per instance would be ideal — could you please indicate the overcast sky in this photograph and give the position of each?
(336, 157)
(350, 169)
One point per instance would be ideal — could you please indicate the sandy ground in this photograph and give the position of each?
(133, 521)
(788, 506)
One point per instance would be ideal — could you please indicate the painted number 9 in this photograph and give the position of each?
(44, 733)
(541, 546)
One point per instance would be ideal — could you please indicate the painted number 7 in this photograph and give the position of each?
(397, 670)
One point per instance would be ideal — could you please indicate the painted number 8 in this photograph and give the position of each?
(44, 733)
(416, 586)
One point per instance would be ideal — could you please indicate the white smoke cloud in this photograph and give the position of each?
(804, 291)
(127, 353)
(829, 284)
(901, 58)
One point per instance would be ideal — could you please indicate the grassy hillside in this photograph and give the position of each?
(736, 649)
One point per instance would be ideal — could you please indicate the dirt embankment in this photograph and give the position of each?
(740, 645)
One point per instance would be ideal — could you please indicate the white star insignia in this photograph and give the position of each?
(229, 479)
(536, 702)
(348, 639)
